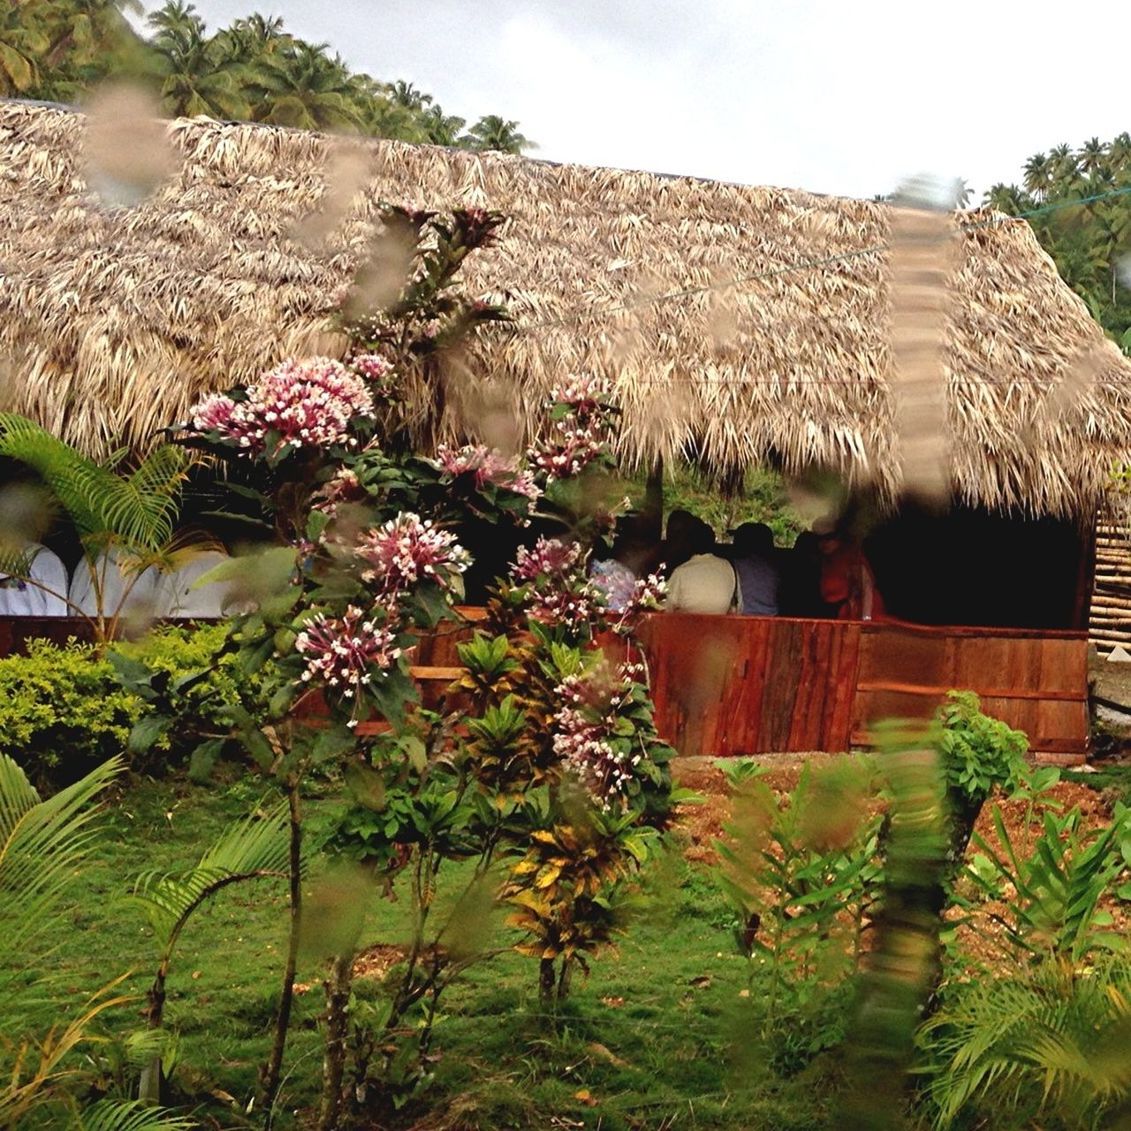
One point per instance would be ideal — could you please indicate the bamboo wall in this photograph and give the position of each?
(1110, 616)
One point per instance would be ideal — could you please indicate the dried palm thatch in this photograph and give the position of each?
(777, 347)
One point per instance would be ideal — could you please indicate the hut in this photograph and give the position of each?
(739, 325)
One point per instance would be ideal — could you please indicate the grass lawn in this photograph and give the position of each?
(660, 1035)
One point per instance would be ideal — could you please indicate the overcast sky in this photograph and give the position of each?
(837, 96)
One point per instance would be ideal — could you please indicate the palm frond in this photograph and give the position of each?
(251, 848)
(1054, 1040)
(41, 845)
(117, 1115)
(138, 511)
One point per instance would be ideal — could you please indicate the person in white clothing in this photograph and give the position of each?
(123, 591)
(199, 602)
(705, 583)
(38, 588)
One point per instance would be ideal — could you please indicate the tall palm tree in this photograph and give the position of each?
(1092, 156)
(24, 40)
(253, 39)
(1008, 199)
(441, 128)
(1038, 175)
(961, 192)
(306, 88)
(405, 94)
(196, 77)
(494, 133)
(1064, 168)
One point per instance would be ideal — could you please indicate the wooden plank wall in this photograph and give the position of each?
(746, 685)
(1035, 681)
(753, 685)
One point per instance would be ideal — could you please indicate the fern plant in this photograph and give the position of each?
(131, 515)
(1047, 1047)
(254, 848)
(43, 846)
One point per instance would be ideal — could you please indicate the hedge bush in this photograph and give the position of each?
(65, 708)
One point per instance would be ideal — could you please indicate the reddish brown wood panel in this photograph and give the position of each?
(1034, 681)
(750, 685)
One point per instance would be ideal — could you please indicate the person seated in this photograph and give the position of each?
(753, 556)
(799, 594)
(847, 583)
(616, 575)
(37, 585)
(676, 546)
(110, 587)
(199, 602)
(706, 582)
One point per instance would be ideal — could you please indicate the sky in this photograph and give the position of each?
(836, 96)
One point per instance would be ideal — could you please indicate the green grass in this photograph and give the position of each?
(660, 1034)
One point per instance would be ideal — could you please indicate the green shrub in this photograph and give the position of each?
(62, 711)
(978, 754)
(65, 708)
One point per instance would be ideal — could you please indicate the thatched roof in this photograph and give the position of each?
(113, 321)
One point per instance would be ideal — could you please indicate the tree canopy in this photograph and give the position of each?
(252, 70)
(1078, 202)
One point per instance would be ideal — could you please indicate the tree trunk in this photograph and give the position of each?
(564, 979)
(149, 1088)
(546, 981)
(653, 511)
(274, 1066)
(338, 986)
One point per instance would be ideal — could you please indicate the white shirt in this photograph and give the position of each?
(205, 602)
(122, 591)
(705, 583)
(29, 597)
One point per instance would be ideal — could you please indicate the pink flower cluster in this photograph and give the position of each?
(647, 596)
(407, 550)
(579, 437)
(378, 373)
(583, 737)
(342, 652)
(304, 403)
(558, 592)
(343, 487)
(488, 466)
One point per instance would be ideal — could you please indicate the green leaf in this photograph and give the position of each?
(146, 732)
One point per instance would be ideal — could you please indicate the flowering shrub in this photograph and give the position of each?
(586, 738)
(408, 550)
(298, 404)
(554, 752)
(554, 589)
(580, 429)
(487, 466)
(342, 652)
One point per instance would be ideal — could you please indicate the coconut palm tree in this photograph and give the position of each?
(405, 94)
(441, 128)
(196, 77)
(494, 133)
(24, 40)
(1038, 174)
(306, 88)
(1092, 156)
(1008, 199)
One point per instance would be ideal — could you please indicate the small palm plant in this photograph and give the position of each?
(128, 517)
(254, 848)
(43, 846)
